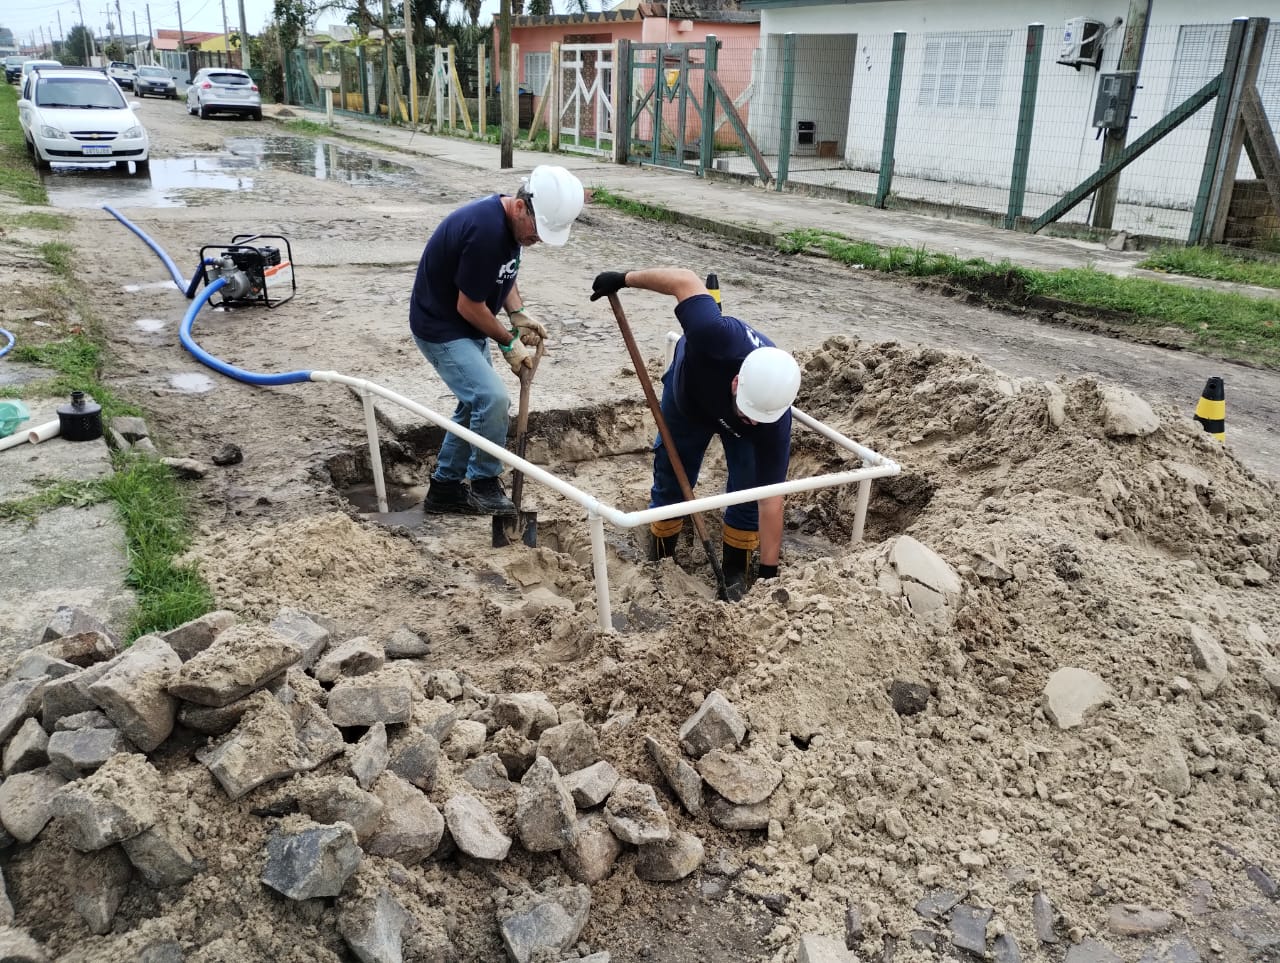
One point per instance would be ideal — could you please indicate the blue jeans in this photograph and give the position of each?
(467, 369)
(691, 439)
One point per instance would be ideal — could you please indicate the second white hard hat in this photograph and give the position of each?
(557, 201)
(768, 383)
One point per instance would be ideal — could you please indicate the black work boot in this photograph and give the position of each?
(734, 562)
(488, 498)
(662, 546)
(447, 498)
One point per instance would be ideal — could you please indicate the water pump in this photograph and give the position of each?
(255, 272)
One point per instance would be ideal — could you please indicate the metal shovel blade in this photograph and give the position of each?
(520, 527)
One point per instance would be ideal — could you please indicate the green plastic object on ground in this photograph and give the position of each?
(12, 414)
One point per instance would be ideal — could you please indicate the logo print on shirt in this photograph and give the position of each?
(509, 270)
(753, 337)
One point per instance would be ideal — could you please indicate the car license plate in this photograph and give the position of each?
(97, 148)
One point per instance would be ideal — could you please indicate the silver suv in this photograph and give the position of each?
(223, 90)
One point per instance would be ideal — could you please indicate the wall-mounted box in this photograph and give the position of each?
(1081, 43)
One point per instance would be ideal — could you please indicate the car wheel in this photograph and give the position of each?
(142, 168)
(204, 112)
(257, 115)
(41, 163)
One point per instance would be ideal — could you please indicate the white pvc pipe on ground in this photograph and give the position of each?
(44, 432)
(874, 465)
(14, 440)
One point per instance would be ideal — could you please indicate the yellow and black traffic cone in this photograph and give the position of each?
(1211, 409)
(713, 288)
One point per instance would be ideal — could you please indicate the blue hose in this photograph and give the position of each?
(178, 279)
(249, 377)
(8, 337)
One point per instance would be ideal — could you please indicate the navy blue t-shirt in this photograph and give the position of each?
(472, 251)
(706, 361)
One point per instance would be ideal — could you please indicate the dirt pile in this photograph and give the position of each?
(1035, 711)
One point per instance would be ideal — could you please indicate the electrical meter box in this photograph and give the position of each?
(1115, 99)
(1081, 43)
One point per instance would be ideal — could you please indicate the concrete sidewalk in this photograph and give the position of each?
(737, 208)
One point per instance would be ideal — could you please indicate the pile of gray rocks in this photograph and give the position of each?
(353, 732)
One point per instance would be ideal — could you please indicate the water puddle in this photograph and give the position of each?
(169, 177)
(95, 186)
(318, 159)
(191, 382)
(404, 503)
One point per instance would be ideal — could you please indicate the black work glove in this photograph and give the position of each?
(607, 283)
(735, 588)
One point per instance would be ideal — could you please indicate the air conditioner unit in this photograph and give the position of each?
(1081, 43)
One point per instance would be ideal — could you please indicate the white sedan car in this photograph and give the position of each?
(71, 116)
(223, 90)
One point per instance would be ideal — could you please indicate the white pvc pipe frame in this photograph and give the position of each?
(874, 466)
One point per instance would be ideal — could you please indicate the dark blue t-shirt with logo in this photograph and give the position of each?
(706, 361)
(472, 251)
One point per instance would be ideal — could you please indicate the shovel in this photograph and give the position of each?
(637, 361)
(522, 526)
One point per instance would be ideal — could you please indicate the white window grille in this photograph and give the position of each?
(1202, 48)
(537, 68)
(963, 73)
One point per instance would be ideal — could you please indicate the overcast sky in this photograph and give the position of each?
(197, 15)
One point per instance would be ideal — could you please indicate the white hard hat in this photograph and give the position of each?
(557, 197)
(768, 382)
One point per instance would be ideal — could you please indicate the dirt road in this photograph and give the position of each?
(356, 247)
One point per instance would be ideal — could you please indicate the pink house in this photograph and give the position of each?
(674, 23)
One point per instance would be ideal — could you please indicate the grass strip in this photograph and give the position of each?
(155, 516)
(1202, 262)
(77, 494)
(18, 176)
(1221, 323)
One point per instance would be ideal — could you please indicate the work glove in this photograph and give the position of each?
(532, 331)
(607, 283)
(517, 355)
(735, 588)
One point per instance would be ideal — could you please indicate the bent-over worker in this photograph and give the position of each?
(726, 379)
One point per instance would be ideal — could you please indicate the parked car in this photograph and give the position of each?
(31, 65)
(13, 68)
(155, 81)
(122, 73)
(77, 116)
(223, 90)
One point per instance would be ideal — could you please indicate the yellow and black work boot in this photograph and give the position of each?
(735, 562)
(739, 544)
(663, 538)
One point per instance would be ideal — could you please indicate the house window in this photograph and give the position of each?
(537, 66)
(1202, 48)
(963, 73)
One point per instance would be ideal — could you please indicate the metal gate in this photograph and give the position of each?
(586, 97)
(665, 113)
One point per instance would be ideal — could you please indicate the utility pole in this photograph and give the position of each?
(61, 36)
(1135, 39)
(410, 60)
(120, 24)
(151, 37)
(88, 57)
(508, 102)
(182, 45)
(111, 32)
(135, 36)
(226, 33)
(244, 40)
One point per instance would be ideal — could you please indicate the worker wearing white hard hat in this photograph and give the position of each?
(725, 379)
(467, 276)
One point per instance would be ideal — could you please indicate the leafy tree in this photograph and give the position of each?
(78, 47)
(113, 50)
